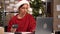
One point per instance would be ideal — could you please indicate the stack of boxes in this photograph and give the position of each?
(9, 9)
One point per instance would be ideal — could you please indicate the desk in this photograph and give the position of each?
(8, 33)
(16, 33)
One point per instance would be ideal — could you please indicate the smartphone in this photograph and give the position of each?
(14, 26)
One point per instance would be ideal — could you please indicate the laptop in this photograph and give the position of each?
(44, 25)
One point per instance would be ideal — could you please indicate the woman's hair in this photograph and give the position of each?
(20, 6)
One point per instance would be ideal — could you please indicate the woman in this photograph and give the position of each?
(25, 21)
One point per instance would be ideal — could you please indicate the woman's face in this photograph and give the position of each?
(24, 8)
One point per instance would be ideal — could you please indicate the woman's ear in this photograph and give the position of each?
(29, 6)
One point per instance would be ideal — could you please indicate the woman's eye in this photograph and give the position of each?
(24, 8)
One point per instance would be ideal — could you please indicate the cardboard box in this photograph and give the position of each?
(1, 30)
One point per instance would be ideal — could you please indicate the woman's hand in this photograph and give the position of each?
(13, 29)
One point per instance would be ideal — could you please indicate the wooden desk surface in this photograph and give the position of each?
(14, 33)
(8, 33)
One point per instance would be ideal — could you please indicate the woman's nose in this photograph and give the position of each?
(25, 9)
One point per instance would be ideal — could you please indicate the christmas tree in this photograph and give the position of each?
(36, 5)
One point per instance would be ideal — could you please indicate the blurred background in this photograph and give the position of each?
(46, 13)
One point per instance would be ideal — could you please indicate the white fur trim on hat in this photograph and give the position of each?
(20, 3)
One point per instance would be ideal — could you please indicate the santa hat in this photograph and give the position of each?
(20, 3)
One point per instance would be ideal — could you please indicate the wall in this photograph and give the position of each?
(56, 20)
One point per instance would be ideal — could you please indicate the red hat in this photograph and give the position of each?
(20, 3)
